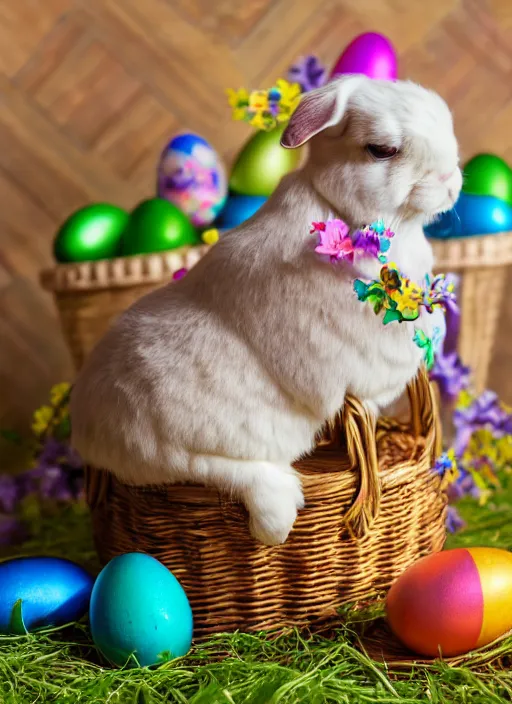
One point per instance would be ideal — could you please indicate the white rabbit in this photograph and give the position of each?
(224, 377)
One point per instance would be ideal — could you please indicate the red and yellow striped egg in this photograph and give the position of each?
(452, 602)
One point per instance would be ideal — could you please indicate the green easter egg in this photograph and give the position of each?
(92, 233)
(262, 163)
(155, 226)
(488, 175)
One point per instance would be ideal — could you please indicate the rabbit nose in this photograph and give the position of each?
(445, 177)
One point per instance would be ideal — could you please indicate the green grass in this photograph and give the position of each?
(62, 666)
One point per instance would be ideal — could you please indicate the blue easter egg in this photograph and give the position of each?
(472, 215)
(193, 178)
(239, 208)
(39, 592)
(139, 612)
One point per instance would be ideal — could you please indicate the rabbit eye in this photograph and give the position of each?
(381, 151)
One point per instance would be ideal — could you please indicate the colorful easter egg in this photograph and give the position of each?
(371, 54)
(262, 163)
(92, 233)
(453, 601)
(191, 175)
(488, 175)
(139, 612)
(472, 215)
(39, 592)
(238, 209)
(156, 225)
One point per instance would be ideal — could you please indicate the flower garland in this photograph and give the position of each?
(335, 240)
(265, 109)
(482, 450)
(400, 298)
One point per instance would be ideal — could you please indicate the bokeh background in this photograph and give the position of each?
(91, 90)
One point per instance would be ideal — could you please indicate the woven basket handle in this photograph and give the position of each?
(425, 418)
(360, 433)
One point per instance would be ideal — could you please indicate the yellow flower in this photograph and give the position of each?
(504, 449)
(408, 299)
(42, 419)
(59, 392)
(258, 101)
(238, 100)
(61, 415)
(451, 474)
(290, 95)
(261, 122)
(210, 236)
(485, 492)
(464, 400)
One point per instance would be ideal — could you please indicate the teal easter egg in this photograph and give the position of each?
(92, 233)
(39, 592)
(191, 175)
(155, 226)
(262, 163)
(139, 612)
(488, 175)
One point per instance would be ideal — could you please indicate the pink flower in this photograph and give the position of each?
(334, 240)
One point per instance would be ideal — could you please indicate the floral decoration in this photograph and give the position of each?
(309, 72)
(265, 109)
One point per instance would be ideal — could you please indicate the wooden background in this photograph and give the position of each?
(92, 89)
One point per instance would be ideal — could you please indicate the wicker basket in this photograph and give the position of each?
(90, 295)
(373, 507)
(482, 263)
(373, 504)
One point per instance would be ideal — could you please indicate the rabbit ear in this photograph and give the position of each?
(318, 110)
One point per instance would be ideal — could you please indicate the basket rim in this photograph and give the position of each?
(474, 251)
(487, 250)
(120, 272)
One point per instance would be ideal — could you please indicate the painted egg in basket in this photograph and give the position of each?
(192, 176)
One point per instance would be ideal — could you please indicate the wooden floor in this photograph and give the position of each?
(92, 89)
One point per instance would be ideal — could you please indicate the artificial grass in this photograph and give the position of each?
(63, 666)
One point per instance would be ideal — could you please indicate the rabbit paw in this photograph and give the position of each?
(273, 505)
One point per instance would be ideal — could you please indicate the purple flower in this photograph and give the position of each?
(484, 412)
(9, 493)
(464, 486)
(57, 475)
(450, 374)
(444, 463)
(308, 72)
(454, 522)
(56, 452)
(367, 242)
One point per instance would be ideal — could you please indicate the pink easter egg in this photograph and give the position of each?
(371, 54)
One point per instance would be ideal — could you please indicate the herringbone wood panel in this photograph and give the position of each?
(91, 89)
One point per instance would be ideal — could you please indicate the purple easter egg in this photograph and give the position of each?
(369, 53)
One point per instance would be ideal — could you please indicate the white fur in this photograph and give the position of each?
(224, 377)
